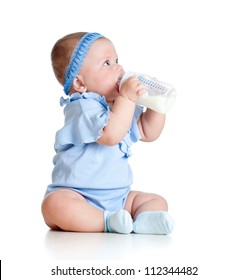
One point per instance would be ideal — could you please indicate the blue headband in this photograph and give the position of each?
(77, 58)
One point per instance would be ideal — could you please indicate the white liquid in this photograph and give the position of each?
(159, 103)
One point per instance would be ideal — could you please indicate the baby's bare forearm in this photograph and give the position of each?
(119, 122)
(151, 125)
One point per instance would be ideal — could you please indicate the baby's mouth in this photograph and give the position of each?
(119, 81)
(118, 86)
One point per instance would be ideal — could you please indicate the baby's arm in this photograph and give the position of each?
(118, 123)
(122, 112)
(151, 125)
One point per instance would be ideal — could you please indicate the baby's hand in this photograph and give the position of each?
(132, 88)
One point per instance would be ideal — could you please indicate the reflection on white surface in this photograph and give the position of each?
(71, 245)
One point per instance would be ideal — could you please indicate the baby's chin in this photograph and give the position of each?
(114, 93)
(110, 98)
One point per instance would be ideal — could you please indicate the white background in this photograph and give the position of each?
(199, 163)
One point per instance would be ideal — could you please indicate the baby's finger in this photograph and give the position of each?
(130, 82)
(141, 89)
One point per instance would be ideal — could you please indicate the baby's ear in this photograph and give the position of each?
(78, 84)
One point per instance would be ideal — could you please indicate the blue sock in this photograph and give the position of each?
(158, 222)
(120, 221)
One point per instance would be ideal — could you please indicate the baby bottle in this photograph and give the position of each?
(159, 97)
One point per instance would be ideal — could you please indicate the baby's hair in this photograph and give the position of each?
(61, 54)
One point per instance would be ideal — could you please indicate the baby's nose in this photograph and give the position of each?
(119, 69)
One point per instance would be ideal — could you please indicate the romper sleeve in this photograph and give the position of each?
(84, 120)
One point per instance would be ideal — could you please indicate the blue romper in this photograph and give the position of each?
(100, 173)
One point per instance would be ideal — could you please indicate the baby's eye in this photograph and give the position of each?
(117, 61)
(106, 63)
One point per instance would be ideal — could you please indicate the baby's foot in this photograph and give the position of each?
(158, 222)
(120, 221)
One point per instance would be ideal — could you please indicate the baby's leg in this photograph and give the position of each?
(68, 210)
(150, 213)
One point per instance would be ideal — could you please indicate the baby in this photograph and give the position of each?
(90, 190)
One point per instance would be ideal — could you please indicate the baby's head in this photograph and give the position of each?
(61, 54)
(87, 62)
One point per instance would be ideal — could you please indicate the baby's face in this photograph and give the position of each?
(101, 71)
